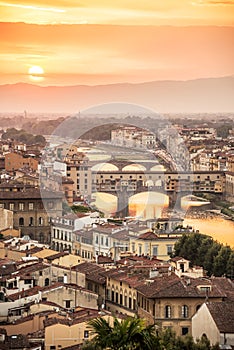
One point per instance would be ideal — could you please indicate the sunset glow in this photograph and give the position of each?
(112, 42)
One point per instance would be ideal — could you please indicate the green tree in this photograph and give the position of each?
(221, 260)
(230, 266)
(202, 250)
(128, 334)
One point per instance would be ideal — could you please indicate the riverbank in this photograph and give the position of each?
(217, 206)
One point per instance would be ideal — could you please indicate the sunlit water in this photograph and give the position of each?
(154, 205)
(220, 229)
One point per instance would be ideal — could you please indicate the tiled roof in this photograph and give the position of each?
(92, 271)
(148, 236)
(171, 286)
(105, 260)
(56, 255)
(223, 315)
(26, 293)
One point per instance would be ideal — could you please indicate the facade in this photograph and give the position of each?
(170, 301)
(79, 171)
(31, 213)
(133, 136)
(216, 321)
(15, 161)
(153, 244)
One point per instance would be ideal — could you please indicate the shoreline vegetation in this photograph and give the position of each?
(218, 207)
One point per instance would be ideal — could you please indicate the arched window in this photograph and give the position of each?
(167, 311)
(21, 221)
(31, 221)
(47, 282)
(198, 307)
(184, 311)
(40, 221)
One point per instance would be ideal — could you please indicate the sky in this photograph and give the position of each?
(98, 42)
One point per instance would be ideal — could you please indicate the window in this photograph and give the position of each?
(86, 334)
(21, 206)
(184, 330)
(116, 297)
(52, 347)
(30, 206)
(155, 250)
(40, 221)
(1, 205)
(21, 221)
(140, 249)
(50, 205)
(184, 311)
(169, 249)
(31, 221)
(96, 239)
(11, 206)
(101, 240)
(106, 241)
(167, 311)
(67, 304)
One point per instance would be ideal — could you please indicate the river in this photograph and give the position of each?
(154, 205)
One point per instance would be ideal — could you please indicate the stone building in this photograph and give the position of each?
(171, 301)
(31, 212)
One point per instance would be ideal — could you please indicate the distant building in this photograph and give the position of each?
(15, 161)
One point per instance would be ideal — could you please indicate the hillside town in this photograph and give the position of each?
(67, 257)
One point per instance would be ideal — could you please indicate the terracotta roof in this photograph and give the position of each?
(92, 271)
(105, 260)
(223, 315)
(56, 255)
(32, 193)
(25, 293)
(171, 286)
(79, 317)
(148, 236)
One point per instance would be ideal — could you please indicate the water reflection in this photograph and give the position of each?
(149, 205)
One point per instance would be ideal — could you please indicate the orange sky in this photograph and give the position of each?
(96, 42)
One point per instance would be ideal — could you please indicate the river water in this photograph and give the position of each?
(151, 205)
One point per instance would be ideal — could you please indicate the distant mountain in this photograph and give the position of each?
(202, 95)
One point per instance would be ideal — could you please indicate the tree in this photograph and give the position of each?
(128, 334)
(132, 334)
(202, 250)
(221, 260)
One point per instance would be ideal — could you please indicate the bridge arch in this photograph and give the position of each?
(105, 202)
(134, 167)
(105, 167)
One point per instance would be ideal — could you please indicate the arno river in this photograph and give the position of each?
(152, 205)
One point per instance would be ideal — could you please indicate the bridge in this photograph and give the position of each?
(125, 184)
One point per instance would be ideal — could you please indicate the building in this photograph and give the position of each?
(216, 321)
(170, 301)
(32, 210)
(133, 136)
(15, 161)
(79, 171)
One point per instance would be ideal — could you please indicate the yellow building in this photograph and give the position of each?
(152, 244)
(170, 301)
(60, 334)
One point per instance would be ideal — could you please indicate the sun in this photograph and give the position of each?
(36, 73)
